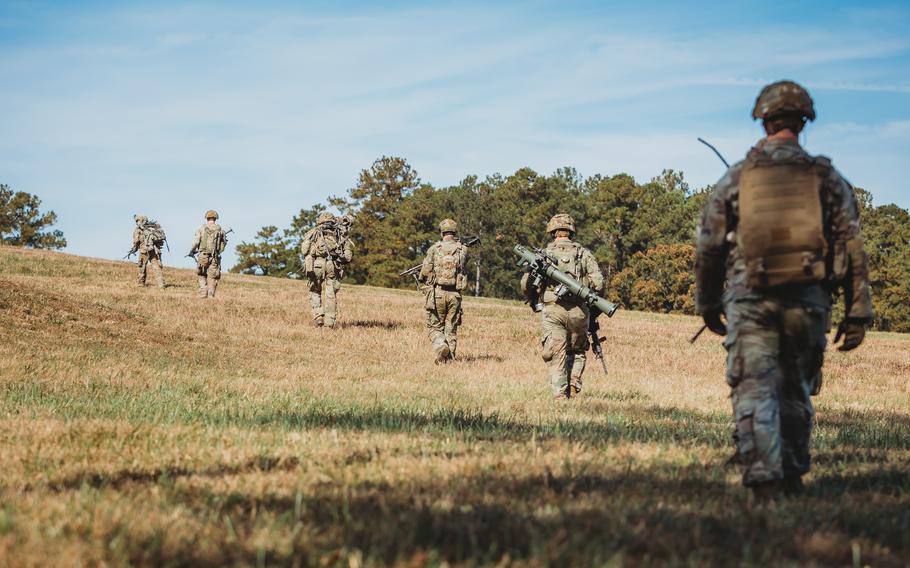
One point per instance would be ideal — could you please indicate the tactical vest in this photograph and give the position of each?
(568, 254)
(211, 239)
(447, 265)
(780, 233)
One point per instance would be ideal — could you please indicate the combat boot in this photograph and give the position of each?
(443, 355)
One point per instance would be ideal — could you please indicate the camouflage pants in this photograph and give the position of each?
(322, 299)
(443, 318)
(775, 354)
(153, 258)
(564, 328)
(208, 271)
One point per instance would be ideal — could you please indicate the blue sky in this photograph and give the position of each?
(259, 109)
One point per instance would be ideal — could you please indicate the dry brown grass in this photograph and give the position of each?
(151, 428)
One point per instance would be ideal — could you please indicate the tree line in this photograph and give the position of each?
(641, 233)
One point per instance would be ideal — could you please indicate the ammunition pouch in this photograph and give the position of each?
(461, 282)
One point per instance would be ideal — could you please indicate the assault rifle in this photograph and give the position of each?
(192, 254)
(414, 271)
(719, 155)
(541, 269)
(129, 254)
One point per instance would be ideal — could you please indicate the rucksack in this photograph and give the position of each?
(211, 240)
(447, 267)
(153, 236)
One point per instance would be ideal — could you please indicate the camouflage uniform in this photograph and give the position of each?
(777, 335)
(149, 254)
(209, 242)
(564, 321)
(325, 254)
(443, 272)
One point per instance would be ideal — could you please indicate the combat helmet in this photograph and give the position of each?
(448, 226)
(561, 221)
(783, 97)
(324, 218)
(211, 214)
(140, 219)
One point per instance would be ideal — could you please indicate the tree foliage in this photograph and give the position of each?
(23, 224)
(641, 233)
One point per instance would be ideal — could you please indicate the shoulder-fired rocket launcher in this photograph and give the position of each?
(542, 266)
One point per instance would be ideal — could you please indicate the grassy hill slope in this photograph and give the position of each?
(148, 427)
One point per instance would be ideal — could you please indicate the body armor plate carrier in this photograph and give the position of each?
(780, 231)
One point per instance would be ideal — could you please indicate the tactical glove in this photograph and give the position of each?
(713, 321)
(853, 331)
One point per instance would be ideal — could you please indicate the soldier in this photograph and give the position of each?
(148, 238)
(782, 230)
(209, 242)
(564, 321)
(443, 272)
(325, 254)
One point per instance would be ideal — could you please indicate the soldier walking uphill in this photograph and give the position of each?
(564, 321)
(209, 242)
(326, 252)
(782, 230)
(148, 239)
(443, 272)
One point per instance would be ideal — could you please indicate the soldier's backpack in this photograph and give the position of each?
(210, 242)
(153, 236)
(569, 257)
(447, 267)
(780, 232)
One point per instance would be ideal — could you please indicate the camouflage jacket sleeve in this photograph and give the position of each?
(347, 251)
(850, 267)
(137, 239)
(306, 242)
(197, 239)
(429, 263)
(711, 247)
(592, 272)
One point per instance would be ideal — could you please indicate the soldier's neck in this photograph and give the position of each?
(448, 238)
(561, 239)
(785, 135)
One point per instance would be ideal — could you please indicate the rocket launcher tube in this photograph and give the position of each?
(540, 265)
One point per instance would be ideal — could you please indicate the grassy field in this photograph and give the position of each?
(147, 427)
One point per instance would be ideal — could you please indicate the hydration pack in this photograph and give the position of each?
(780, 233)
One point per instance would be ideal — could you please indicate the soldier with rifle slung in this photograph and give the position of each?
(209, 242)
(781, 230)
(443, 276)
(148, 240)
(326, 251)
(563, 283)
